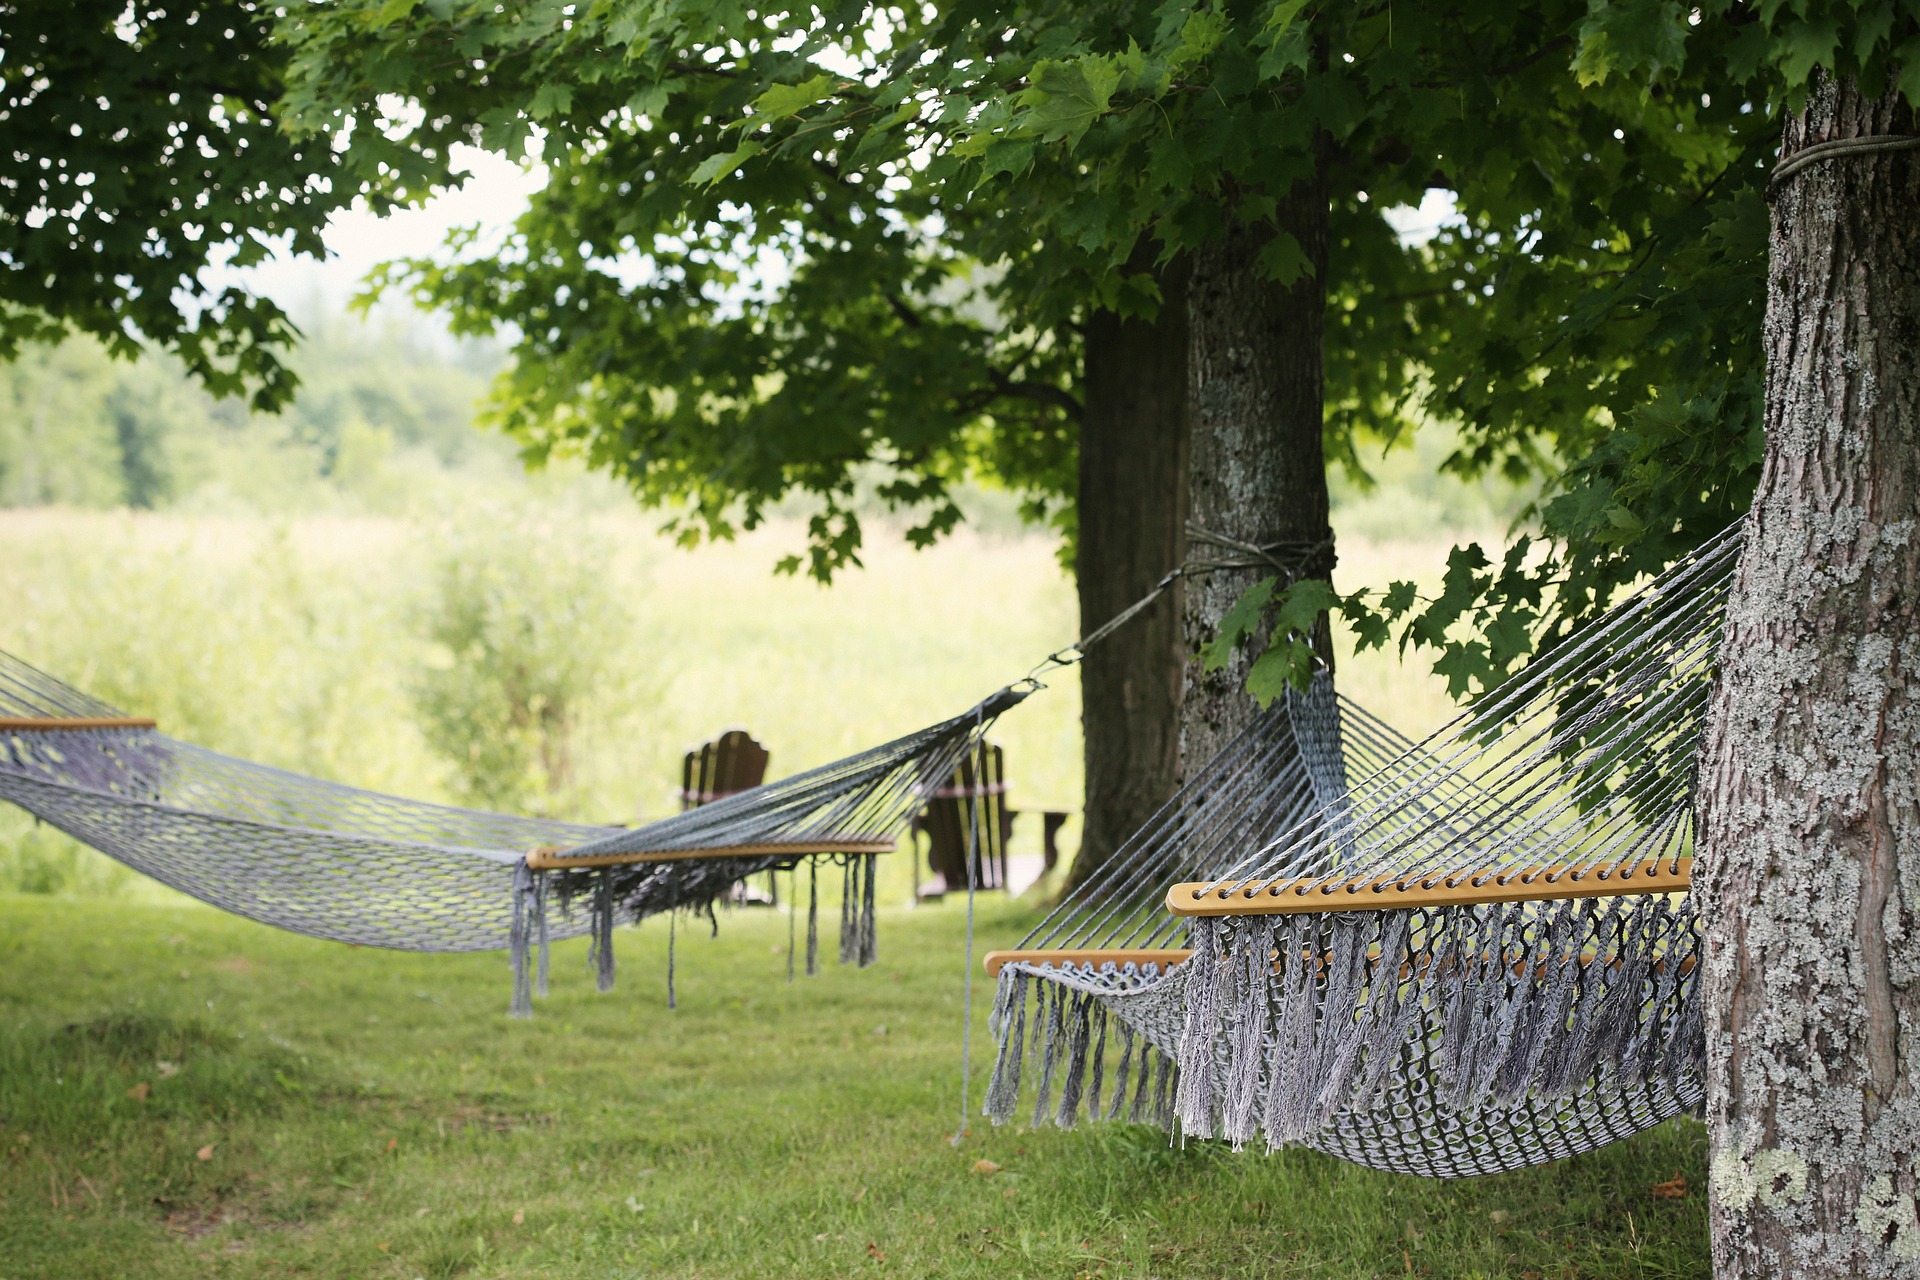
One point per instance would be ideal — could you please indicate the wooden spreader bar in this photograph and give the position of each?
(548, 857)
(38, 723)
(1166, 958)
(1388, 893)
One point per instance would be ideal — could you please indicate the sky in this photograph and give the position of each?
(357, 241)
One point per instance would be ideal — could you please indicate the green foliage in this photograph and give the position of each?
(1605, 271)
(716, 329)
(381, 407)
(1599, 318)
(523, 624)
(141, 145)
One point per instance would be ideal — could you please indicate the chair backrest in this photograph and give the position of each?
(731, 762)
(981, 780)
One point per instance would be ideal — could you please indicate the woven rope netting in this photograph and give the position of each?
(1236, 972)
(341, 863)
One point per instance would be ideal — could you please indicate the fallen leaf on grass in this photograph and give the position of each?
(166, 1069)
(860, 1195)
(1674, 1190)
(985, 1166)
(1498, 1216)
(1008, 1193)
(206, 1152)
(393, 1144)
(873, 1251)
(519, 1217)
(140, 1091)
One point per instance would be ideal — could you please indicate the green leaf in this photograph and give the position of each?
(1303, 604)
(716, 167)
(1240, 622)
(1805, 45)
(551, 99)
(389, 13)
(1908, 81)
(1289, 662)
(1067, 97)
(1633, 37)
(1287, 39)
(1284, 261)
(791, 99)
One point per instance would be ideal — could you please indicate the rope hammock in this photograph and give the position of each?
(1462, 956)
(336, 862)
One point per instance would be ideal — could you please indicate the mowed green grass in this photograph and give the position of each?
(311, 1109)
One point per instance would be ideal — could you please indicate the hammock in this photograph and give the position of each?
(1462, 956)
(336, 862)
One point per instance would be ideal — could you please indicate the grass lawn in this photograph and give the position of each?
(186, 1094)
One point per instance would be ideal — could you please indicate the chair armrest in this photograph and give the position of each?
(1051, 821)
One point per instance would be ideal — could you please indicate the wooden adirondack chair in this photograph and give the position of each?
(731, 763)
(979, 786)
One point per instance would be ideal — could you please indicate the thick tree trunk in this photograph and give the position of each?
(1132, 511)
(1810, 799)
(1259, 474)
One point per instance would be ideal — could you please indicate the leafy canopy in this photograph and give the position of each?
(141, 145)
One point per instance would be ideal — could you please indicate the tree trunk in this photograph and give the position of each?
(1254, 382)
(1810, 800)
(1132, 512)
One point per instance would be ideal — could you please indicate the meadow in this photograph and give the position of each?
(183, 1093)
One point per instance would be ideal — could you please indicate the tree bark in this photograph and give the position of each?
(1810, 798)
(1132, 513)
(1255, 381)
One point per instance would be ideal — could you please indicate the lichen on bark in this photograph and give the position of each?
(1809, 878)
(1256, 383)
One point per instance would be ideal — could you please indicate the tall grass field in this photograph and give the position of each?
(183, 1093)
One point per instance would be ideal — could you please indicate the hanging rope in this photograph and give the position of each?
(966, 985)
(1834, 149)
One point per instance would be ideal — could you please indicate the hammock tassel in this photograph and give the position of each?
(672, 1001)
(1008, 1026)
(813, 918)
(1047, 1015)
(1079, 1037)
(849, 924)
(521, 1005)
(1099, 1057)
(1205, 976)
(869, 949)
(600, 948)
(1248, 965)
(543, 971)
(1120, 1076)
